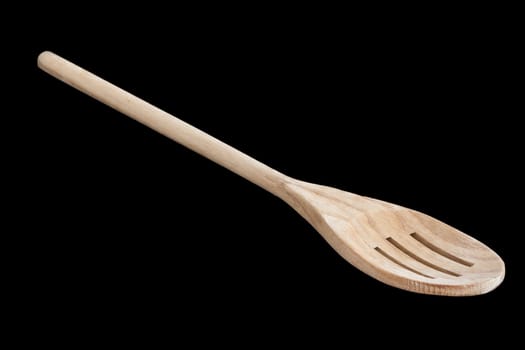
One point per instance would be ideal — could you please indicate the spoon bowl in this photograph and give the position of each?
(398, 246)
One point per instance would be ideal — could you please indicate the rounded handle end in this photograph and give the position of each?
(44, 59)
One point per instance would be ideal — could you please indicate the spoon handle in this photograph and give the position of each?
(162, 122)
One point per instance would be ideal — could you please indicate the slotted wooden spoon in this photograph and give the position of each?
(398, 246)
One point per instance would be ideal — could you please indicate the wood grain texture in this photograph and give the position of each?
(398, 246)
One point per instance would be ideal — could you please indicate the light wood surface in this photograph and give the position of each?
(398, 246)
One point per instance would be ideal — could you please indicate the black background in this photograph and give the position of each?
(138, 233)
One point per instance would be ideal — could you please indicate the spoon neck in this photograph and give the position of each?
(255, 171)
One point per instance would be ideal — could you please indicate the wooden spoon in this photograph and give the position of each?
(398, 246)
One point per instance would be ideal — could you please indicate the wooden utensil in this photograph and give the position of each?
(398, 246)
